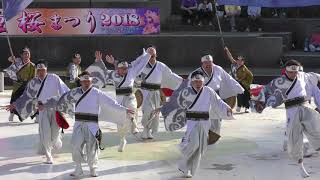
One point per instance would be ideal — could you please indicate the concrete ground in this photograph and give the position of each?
(250, 149)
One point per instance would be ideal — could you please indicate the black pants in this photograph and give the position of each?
(244, 99)
(254, 23)
(205, 16)
(186, 15)
(16, 95)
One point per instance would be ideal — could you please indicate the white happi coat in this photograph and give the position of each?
(128, 80)
(53, 86)
(194, 143)
(48, 129)
(300, 119)
(207, 101)
(221, 82)
(158, 74)
(282, 88)
(93, 102)
(161, 74)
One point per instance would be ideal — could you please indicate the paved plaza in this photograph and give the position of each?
(250, 149)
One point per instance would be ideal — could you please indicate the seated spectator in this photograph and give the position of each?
(313, 44)
(279, 12)
(231, 12)
(254, 21)
(220, 10)
(189, 11)
(205, 13)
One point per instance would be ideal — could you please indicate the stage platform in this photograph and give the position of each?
(299, 27)
(183, 49)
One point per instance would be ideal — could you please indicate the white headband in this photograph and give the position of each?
(41, 66)
(85, 77)
(197, 77)
(293, 68)
(123, 64)
(207, 58)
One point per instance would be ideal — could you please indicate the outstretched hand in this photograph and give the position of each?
(110, 59)
(98, 55)
(12, 59)
(10, 107)
(151, 51)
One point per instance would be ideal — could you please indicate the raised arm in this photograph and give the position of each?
(98, 56)
(140, 63)
(229, 55)
(111, 60)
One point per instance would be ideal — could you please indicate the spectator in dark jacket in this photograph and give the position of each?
(189, 10)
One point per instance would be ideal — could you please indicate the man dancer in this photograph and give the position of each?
(123, 79)
(155, 75)
(38, 91)
(193, 105)
(221, 82)
(308, 151)
(293, 89)
(21, 71)
(88, 102)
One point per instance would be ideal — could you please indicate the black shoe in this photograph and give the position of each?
(16, 113)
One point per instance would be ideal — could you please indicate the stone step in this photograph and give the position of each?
(308, 59)
(300, 27)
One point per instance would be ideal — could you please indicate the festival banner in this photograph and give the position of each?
(107, 21)
(270, 3)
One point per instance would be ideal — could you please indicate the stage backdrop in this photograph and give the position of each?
(83, 22)
(270, 3)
